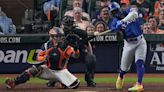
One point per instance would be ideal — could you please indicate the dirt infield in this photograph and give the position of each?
(149, 87)
(99, 88)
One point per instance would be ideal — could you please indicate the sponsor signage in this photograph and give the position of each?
(156, 57)
(17, 53)
(18, 56)
(10, 39)
(154, 60)
(105, 38)
(24, 38)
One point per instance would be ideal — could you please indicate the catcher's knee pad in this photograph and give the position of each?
(75, 85)
(34, 71)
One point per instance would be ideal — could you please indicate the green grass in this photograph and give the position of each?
(129, 80)
(101, 80)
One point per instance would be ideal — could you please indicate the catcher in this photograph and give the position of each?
(55, 55)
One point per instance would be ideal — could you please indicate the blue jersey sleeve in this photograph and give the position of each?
(113, 25)
(125, 12)
(131, 29)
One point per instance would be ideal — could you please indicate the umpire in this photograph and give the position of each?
(86, 55)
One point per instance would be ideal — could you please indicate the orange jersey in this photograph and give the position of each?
(57, 58)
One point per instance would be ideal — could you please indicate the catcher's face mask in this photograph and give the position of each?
(67, 22)
(57, 37)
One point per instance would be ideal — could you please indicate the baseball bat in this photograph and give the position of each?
(97, 34)
(105, 32)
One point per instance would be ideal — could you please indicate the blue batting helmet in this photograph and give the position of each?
(114, 6)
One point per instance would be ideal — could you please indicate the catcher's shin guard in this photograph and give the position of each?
(22, 78)
(25, 76)
(75, 85)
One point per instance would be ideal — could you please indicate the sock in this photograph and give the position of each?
(122, 73)
(140, 70)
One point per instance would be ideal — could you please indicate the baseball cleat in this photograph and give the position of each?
(119, 83)
(91, 84)
(9, 83)
(136, 88)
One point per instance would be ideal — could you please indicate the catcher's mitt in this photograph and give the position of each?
(73, 40)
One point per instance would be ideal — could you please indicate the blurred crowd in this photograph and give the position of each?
(93, 15)
(6, 25)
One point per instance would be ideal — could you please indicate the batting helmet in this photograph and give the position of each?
(114, 6)
(115, 10)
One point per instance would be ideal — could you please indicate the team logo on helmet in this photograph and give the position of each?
(114, 6)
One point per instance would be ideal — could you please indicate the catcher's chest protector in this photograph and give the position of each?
(57, 58)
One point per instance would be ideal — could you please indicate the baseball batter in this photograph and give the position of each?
(55, 55)
(135, 46)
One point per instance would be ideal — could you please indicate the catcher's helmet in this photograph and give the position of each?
(68, 21)
(55, 33)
